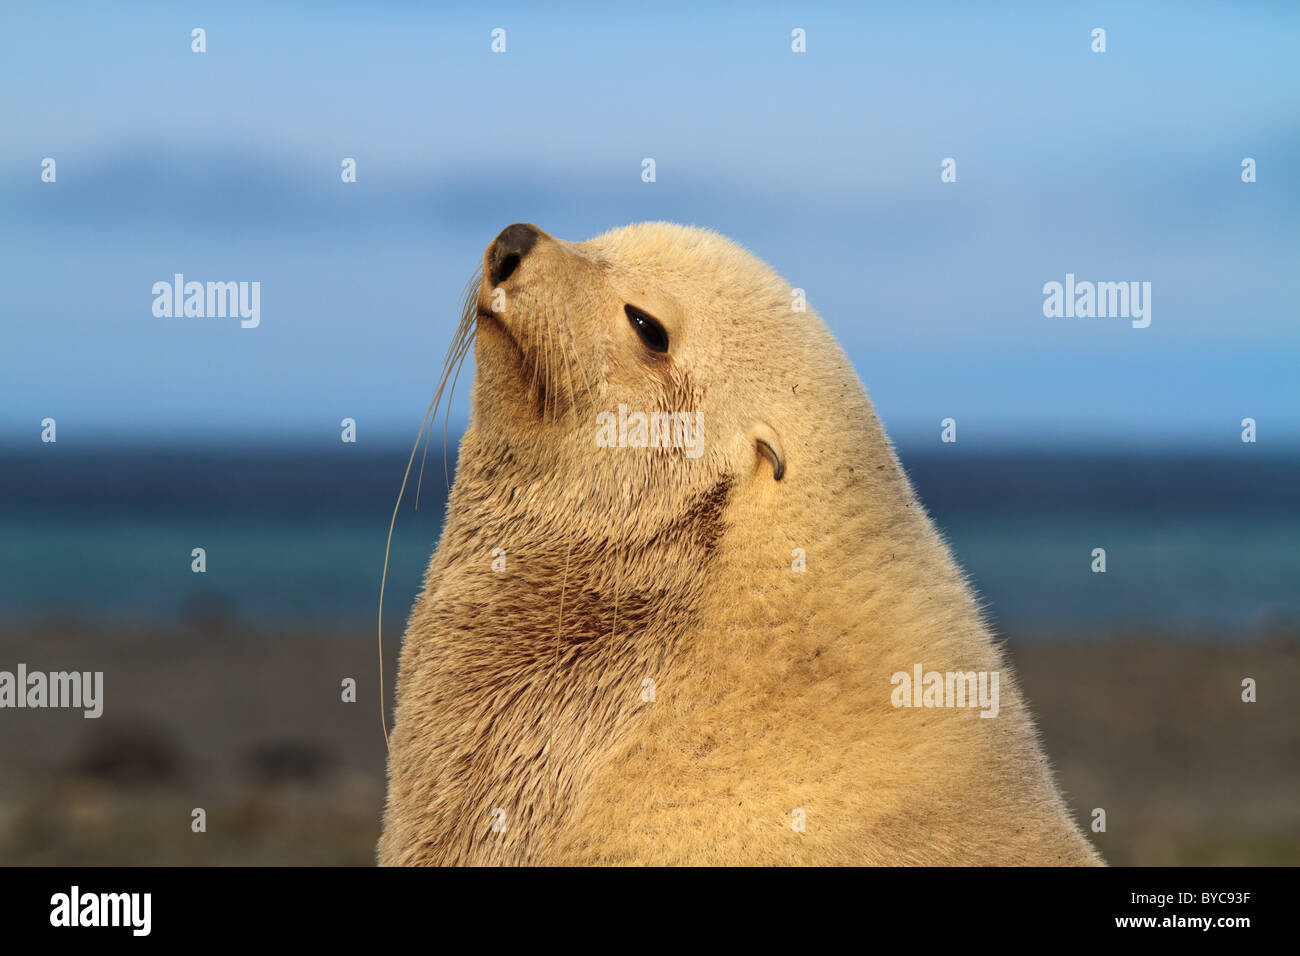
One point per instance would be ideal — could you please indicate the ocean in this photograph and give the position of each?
(1202, 545)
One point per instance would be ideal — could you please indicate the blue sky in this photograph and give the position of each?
(225, 165)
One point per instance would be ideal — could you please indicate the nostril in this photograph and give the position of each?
(509, 249)
(505, 267)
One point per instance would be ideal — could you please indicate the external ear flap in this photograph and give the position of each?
(769, 446)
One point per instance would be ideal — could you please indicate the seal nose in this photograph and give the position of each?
(509, 248)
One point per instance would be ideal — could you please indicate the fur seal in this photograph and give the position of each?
(634, 650)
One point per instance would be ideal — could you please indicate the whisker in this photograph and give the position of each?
(463, 339)
(456, 355)
(447, 414)
(586, 377)
(461, 342)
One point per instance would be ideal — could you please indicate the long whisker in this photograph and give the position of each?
(455, 355)
(586, 377)
(446, 477)
(460, 343)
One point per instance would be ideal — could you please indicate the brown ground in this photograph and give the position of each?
(252, 729)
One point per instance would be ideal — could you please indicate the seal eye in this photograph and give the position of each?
(654, 335)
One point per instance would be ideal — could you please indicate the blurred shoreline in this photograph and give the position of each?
(250, 726)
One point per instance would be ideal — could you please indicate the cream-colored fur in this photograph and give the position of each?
(520, 694)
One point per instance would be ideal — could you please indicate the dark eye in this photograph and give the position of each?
(654, 335)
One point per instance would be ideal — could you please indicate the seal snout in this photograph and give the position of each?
(508, 250)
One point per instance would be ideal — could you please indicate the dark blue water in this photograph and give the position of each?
(1194, 543)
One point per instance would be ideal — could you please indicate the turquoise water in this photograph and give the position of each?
(134, 566)
(1179, 573)
(1192, 546)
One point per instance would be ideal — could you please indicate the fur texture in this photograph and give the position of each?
(520, 693)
